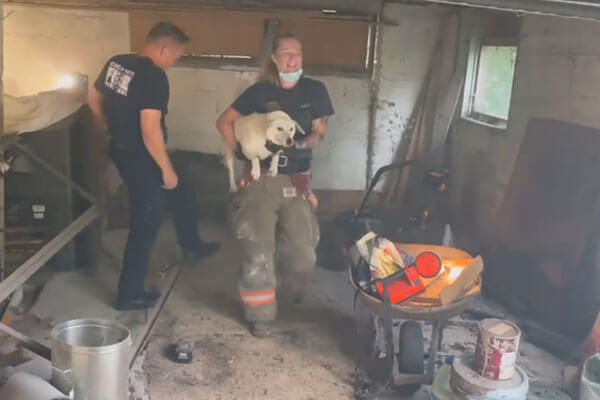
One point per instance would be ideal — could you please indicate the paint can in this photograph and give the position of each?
(467, 384)
(590, 379)
(497, 349)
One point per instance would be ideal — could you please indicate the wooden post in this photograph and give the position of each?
(374, 83)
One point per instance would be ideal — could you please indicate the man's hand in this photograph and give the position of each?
(100, 124)
(95, 104)
(170, 179)
(152, 136)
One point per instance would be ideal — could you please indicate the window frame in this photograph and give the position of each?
(477, 42)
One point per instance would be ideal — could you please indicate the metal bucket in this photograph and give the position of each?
(30, 386)
(467, 384)
(97, 353)
(590, 379)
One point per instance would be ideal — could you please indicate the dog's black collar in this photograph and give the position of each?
(273, 148)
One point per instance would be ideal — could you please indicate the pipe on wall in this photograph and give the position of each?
(558, 8)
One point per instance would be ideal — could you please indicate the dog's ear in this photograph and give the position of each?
(299, 128)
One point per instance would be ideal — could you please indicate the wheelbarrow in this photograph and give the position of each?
(398, 224)
(408, 370)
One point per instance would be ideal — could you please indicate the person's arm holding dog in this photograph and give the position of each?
(244, 105)
(225, 127)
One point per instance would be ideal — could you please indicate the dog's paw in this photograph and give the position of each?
(255, 173)
(273, 171)
(233, 188)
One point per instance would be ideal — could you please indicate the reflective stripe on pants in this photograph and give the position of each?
(254, 299)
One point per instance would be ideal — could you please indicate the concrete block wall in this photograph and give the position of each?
(406, 52)
(200, 95)
(43, 44)
(557, 76)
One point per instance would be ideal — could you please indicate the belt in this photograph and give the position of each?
(288, 165)
(300, 181)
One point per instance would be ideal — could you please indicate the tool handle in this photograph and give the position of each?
(375, 180)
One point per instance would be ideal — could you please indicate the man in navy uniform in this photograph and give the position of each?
(130, 97)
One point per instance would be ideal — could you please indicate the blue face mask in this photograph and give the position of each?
(291, 77)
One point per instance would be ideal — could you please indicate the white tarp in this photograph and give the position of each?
(32, 113)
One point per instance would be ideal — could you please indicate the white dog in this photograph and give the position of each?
(259, 135)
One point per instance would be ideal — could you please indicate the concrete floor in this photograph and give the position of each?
(311, 354)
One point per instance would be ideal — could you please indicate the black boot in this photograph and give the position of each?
(261, 329)
(191, 257)
(142, 302)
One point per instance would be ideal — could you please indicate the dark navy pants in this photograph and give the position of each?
(148, 203)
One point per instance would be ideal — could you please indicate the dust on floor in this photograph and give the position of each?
(310, 356)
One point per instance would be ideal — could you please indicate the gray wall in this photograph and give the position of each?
(406, 52)
(341, 161)
(66, 41)
(42, 44)
(200, 95)
(557, 76)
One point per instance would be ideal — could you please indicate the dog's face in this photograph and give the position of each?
(281, 129)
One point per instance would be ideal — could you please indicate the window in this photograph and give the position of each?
(490, 75)
(493, 86)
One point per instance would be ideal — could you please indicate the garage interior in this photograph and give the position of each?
(486, 111)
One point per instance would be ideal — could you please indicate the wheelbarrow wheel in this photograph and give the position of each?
(411, 355)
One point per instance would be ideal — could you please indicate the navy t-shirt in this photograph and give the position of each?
(129, 84)
(306, 101)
